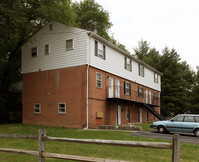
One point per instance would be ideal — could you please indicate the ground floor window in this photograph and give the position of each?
(37, 108)
(61, 108)
(127, 113)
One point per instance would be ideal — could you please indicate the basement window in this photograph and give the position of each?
(37, 108)
(61, 108)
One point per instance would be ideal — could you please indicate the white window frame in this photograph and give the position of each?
(100, 50)
(37, 108)
(47, 50)
(141, 70)
(127, 88)
(68, 42)
(128, 63)
(140, 92)
(155, 77)
(98, 80)
(60, 112)
(33, 52)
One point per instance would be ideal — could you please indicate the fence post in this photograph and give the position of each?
(41, 144)
(176, 148)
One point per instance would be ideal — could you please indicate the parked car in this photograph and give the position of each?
(183, 123)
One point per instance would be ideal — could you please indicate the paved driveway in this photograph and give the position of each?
(185, 138)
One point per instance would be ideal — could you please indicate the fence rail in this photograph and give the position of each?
(42, 138)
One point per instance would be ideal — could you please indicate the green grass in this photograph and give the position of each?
(188, 151)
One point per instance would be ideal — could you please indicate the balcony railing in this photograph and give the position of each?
(132, 95)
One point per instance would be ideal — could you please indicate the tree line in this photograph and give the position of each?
(21, 19)
(179, 82)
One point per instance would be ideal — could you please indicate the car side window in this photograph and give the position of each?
(189, 119)
(178, 119)
(197, 118)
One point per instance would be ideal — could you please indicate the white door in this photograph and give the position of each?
(140, 115)
(149, 96)
(146, 96)
(118, 115)
(111, 87)
(117, 88)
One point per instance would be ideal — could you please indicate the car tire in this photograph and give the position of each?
(196, 132)
(162, 129)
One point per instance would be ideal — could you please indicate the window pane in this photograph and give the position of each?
(178, 118)
(189, 119)
(69, 44)
(62, 108)
(197, 118)
(47, 49)
(34, 51)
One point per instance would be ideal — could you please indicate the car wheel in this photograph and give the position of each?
(161, 129)
(196, 132)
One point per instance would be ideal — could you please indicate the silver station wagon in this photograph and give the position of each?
(183, 123)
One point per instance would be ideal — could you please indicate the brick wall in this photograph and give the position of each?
(51, 87)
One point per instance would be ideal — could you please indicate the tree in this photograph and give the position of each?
(92, 17)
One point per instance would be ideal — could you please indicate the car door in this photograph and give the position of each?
(175, 124)
(189, 124)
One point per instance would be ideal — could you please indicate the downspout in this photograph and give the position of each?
(87, 81)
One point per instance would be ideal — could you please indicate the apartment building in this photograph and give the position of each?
(75, 78)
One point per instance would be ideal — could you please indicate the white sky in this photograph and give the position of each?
(171, 23)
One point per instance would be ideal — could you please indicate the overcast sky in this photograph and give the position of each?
(171, 23)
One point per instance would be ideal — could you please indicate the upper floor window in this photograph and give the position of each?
(100, 50)
(140, 92)
(69, 44)
(127, 88)
(47, 49)
(127, 64)
(34, 52)
(61, 108)
(141, 70)
(99, 80)
(155, 77)
(37, 108)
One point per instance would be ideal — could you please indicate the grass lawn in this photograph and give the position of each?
(188, 151)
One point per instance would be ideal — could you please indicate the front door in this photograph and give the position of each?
(110, 87)
(117, 88)
(118, 115)
(140, 115)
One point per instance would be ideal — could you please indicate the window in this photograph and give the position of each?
(155, 78)
(127, 88)
(155, 96)
(140, 92)
(62, 108)
(47, 49)
(127, 64)
(37, 108)
(100, 50)
(99, 80)
(34, 52)
(178, 119)
(69, 44)
(127, 113)
(189, 119)
(197, 118)
(141, 70)
(51, 27)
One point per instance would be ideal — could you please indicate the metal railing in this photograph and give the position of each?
(132, 95)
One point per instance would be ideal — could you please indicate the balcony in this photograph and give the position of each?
(146, 96)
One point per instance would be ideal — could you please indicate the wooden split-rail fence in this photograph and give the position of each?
(42, 138)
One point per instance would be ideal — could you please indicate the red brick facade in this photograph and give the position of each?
(69, 86)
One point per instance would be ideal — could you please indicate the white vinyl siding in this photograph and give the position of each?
(59, 57)
(114, 64)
